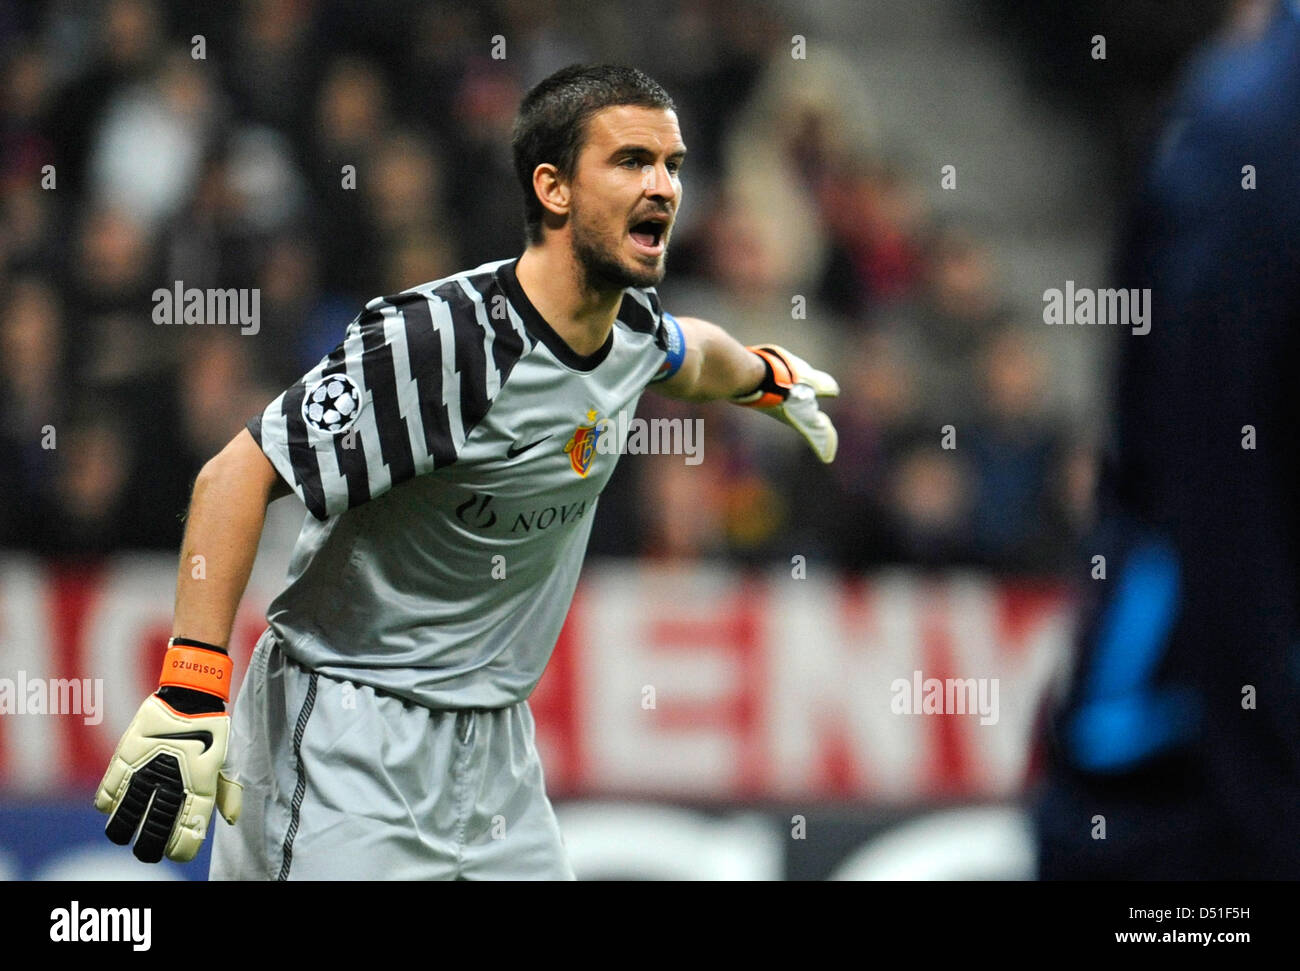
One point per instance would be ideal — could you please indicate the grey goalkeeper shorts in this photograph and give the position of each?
(344, 783)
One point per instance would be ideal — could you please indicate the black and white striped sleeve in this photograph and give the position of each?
(382, 407)
(642, 311)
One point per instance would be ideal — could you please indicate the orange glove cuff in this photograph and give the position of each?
(193, 667)
(776, 384)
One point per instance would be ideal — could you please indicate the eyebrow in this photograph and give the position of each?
(641, 150)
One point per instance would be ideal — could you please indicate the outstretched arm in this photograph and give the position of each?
(767, 378)
(716, 366)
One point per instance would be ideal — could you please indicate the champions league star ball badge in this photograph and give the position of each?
(332, 405)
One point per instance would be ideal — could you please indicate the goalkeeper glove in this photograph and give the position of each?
(789, 393)
(166, 774)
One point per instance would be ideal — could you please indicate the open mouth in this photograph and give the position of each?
(648, 235)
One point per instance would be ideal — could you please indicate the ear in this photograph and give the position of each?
(552, 190)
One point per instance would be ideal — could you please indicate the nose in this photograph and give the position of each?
(658, 182)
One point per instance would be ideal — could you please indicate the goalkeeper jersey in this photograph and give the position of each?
(451, 451)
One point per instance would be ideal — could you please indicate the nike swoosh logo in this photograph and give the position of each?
(514, 450)
(204, 737)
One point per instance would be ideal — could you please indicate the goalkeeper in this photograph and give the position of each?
(383, 729)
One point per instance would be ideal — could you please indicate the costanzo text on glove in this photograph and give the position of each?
(180, 664)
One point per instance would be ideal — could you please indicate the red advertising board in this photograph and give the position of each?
(694, 683)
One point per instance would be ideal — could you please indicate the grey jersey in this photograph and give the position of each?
(450, 453)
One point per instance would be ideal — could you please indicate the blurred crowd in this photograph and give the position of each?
(129, 162)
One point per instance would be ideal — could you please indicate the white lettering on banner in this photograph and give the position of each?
(764, 689)
(785, 692)
(828, 729)
(690, 742)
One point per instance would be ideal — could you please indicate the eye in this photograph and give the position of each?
(674, 167)
(631, 161)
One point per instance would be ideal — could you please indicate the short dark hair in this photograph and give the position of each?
(552, 122)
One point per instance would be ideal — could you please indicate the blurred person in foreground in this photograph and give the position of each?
(451, 451)
(1176, 753)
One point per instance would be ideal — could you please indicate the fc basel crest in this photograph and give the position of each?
(581, 447)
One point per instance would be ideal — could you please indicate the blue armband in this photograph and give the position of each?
(675, 352)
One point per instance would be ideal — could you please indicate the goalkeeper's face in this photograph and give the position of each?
(626, 189)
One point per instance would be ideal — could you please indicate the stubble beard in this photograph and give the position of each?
(600, 266)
